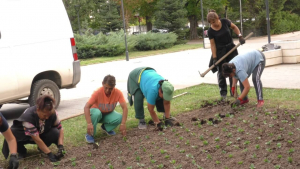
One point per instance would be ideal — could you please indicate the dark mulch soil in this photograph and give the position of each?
(215, 136)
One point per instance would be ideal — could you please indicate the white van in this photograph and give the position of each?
(37, 51)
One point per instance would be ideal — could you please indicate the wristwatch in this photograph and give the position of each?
(240, 35)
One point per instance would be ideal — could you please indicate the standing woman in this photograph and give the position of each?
(221, 42)
(39, 125)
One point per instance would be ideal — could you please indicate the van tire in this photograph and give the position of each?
(1, 105)
(44, 87)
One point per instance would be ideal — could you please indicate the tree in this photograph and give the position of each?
(108, 16)
(170, 15)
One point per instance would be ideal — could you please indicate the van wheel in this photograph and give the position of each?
(1, 105)
(44, 87)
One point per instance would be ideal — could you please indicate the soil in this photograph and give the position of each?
(215, 136)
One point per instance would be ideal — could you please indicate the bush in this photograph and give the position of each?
(90, 45)
(154, 41)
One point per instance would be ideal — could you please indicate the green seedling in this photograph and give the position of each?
(251, 125)
(227, 123)
(257, 147)
(254, 155)
(193, 134)
(217, 139)
(292, 117)
(229, 135)
(271, 134)
(281, 129)
(290, 160)
(229, 143)
(210, 123)
(291, 150)
(265, 122)
(42, 162)
(89, 154)
(160, 166)
(173, 130)
(110, 166)
(279, 145)
(256, 118)
(230, 155)
(224, 152)
(205, 142)
(151, 156)
(266, 160)
(189, 156)
(56, 163)
(177, 146)
(187, 130)
(177, 134)
(284, 121)
(181, 138)
(269, 150)
(238, 139)
(208, 156)
(147, 137)
(218, 162)
(252, 166)
(138, 158)
(271, 125)
(153, 161)
(290, 141)
(291, 133)
(161, 133)
(178, 167)
(173, 161)
(224, 129)
(129, 167)
(246, 142)
(163, 151)
(211, 134)
(240, 162)
(74, 163)
(240, 130)
(292, 124)
(218, 146)
(268, 143)
(187, 142)
(279, 156)
(245, 150)
(201, 137)
(277, 166)
(167, 156)
(182, 151)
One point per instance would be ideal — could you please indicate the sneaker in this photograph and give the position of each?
(260, 103)
(89, 139)
(110, 133)
(244, 101)
(142, 125)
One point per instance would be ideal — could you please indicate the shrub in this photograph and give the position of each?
(154, 41)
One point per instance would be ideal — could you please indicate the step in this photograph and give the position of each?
(290, 52)
(273, 53)
(290, 59)
(273, 61)
(288, 44)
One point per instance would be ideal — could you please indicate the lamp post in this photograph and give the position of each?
(127, 58)
(202, 25)
(241, 18)
(77, 8)
(268, 21)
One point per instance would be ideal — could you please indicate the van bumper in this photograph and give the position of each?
(76, 73)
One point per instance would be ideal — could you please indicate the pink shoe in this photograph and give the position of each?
(260, 103)
(244, 101)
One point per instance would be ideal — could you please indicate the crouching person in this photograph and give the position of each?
(11, 141)
(39, 125)
(240, 68)
(101, 109)
(145, 82)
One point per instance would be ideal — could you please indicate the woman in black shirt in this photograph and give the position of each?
(221, 42)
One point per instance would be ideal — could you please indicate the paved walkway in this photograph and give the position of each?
(180, 68)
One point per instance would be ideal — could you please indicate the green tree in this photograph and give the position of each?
(108, 16)
(170, 15)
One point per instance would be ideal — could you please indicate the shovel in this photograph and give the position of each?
(220, 60)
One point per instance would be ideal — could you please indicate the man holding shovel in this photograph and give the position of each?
(101, 109)
(240, 68)
(145, 82)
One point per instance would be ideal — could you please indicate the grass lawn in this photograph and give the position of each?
(75, 128)
(137, 54)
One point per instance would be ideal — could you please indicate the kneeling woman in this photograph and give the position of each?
(38, 125)
(240, 68)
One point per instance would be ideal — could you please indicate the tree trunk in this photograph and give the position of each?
(148, 23)
(193, 27)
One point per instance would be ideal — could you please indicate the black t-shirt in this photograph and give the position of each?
(4, 125)
(222, 37)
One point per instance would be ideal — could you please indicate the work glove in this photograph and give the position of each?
(159, 126)
(52, 157)
(237, 102)
(232, 91)
(215, 61)
(242, 40)
(60, 152)
(169, 121)
(13, 162)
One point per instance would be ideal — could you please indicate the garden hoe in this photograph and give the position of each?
(220, 60)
